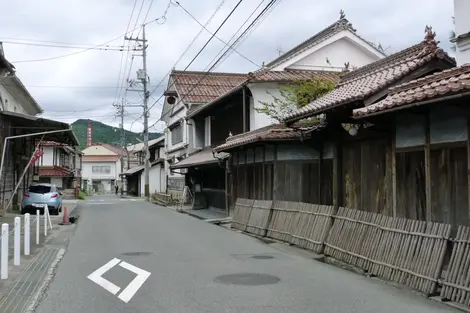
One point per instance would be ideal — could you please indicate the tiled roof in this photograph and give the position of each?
(447, 82)
(54, 171)
(264, 75)
(203, 87)
(367, 80)
(338, 26)
(277, 132)
(202, 157)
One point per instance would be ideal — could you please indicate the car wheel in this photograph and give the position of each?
(55, 212)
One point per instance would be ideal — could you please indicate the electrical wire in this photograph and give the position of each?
(260, 15)
(199, 52)
(84, 50)
(188, 47)
(221, 40)
(107, 48)
(51, 41)
(122, 54)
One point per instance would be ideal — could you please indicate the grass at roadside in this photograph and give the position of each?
(81, 195)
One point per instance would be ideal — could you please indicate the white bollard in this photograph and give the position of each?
(45, 222)
(38, 223)
(4, 259)
(27, 226)
(17, 241)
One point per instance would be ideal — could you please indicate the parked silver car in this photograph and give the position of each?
(40, 194)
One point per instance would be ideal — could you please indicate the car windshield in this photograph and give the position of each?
(40, 189)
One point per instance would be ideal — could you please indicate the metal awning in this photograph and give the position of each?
(203, 157)
(33, 124)
(133, 170)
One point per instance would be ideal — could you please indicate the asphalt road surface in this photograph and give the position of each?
(158, 260)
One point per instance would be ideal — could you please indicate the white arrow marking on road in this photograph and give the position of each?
(97, 278)
(131, 289)
(135, 284)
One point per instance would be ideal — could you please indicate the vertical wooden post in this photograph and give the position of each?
(320, 165)
(227, 184)
(336, 176)
(427, 169)
(394, 175)
(263, 171)
(274, 180)
(244, 109)
(468, 162)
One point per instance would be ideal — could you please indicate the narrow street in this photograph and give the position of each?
(186, 259)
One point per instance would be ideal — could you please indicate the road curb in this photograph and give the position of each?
(40, 293)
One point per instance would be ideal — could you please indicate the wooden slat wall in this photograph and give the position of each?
(410, 182)
(449, 186)
(366, 178)
(406, 251)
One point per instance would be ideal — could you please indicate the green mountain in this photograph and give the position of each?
(105, 133)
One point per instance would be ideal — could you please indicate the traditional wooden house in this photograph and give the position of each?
(344, 162)
(236, 111)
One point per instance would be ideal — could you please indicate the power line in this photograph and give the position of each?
(51, 41)
(84, 50)
(260, 15)
(221, 40)
(107, 48)
(122, 54)
(202, 49)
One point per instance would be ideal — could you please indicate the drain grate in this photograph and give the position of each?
(247, 279)
(136, 253)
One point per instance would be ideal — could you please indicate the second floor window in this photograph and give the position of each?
(176, 134)
(101, 169)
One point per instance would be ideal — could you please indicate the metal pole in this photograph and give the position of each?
(23, 175)
(123, 144)
(27, 233)
(4, 257)
(17, 241)
(146, 131)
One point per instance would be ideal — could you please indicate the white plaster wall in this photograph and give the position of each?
(47, 158)
(9, 101)
(462, 26)
(339, 49)
(262, 92)
(88, 174)
(337, 53)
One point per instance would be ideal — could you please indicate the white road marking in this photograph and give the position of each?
(131, 289)
(97, 278)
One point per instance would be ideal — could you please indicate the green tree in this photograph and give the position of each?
(293, 96)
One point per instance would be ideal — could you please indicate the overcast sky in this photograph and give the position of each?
(86, 84)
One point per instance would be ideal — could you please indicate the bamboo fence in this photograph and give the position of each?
(259, 217)
(409, 252)
(241, 213)
(303, 224)
(456, 283)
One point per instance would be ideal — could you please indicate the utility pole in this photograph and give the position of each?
(120, 113)
(142, 75)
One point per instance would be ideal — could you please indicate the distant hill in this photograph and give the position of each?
(105, 133)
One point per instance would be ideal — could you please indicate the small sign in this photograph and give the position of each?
(176, 183)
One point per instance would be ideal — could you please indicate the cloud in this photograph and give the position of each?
(86, 85)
